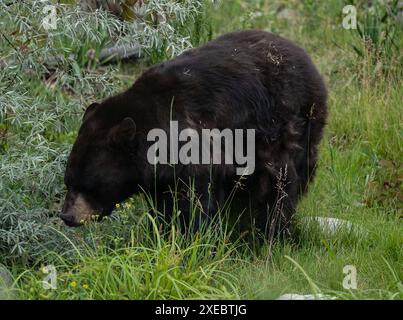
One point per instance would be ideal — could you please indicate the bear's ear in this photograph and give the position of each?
(90, 110)
(123, 133)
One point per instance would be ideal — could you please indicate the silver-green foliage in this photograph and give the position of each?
(46, 78)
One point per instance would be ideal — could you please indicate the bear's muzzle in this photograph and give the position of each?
(76, 210)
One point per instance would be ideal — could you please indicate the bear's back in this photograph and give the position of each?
(237, 79)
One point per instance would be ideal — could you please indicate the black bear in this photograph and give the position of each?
(247, 80)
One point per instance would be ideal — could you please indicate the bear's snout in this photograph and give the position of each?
(69, 220)
(76, 209)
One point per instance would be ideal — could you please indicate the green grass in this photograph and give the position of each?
(359, 179)
(149, 269)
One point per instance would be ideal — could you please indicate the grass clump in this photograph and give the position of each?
(145, 265)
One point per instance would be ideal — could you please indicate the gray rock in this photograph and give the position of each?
(333, 226)
(112, 6)
(120, 53)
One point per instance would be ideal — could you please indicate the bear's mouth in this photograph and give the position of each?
(71, 223)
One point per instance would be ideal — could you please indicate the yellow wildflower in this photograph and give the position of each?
(73, 284)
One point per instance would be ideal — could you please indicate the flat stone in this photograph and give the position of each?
(333, 225)
(296, 296)
(114, 54)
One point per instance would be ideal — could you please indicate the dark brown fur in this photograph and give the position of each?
(247, 80)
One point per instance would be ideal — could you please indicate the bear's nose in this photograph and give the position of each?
(68, 219)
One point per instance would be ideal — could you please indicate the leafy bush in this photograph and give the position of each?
(46, 79)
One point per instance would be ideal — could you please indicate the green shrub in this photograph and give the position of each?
(47, 78)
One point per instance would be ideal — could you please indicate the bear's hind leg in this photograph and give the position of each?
(276, 212)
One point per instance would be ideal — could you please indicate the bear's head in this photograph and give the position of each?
(101, 169)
